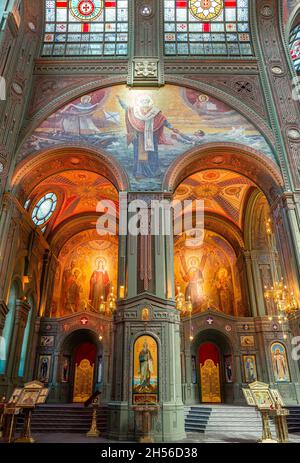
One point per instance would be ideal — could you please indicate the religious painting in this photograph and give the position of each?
(263, 398)
(28, 398)
(15, 395)
(145, 375)
(228, 363)
(44, 368)
(207, 275)
(86, 279)
(43, 396)
(280, 363)
(145, 130)
(65, 369)
(250, 371)
(247, 341)
(47, 341)
(145, 315)
(249, 397)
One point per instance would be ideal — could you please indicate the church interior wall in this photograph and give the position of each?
(225, 131)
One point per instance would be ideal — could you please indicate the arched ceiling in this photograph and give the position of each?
(78, 192)
(224, 193)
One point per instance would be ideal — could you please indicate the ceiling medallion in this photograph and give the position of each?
(86, 10)
(277, 70)
(206, 10)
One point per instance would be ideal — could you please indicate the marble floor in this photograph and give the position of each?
(208, 438)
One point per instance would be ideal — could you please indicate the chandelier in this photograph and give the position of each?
(278, 295)
(182, 305)
(185, 307)
(283, 300)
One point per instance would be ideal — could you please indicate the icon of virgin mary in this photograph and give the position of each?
(99, 284)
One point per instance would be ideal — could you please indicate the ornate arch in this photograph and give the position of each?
(232, 156)
(38, 166)
(70, 228)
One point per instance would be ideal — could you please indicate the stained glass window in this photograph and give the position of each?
(295, 47)
(44, 208)
(86, 27)
(207, 27)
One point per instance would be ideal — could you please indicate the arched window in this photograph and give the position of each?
(44, 209)
(84, 28)
(295, 46)
(7, 331)
(207, 27)
(25, 340)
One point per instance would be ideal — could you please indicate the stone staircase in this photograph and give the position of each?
(64, 419)
(196, 418)
(221, 419)
(293, 420)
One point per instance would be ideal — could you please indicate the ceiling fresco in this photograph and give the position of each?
(145, 130)
(223, 192)
(78, 191)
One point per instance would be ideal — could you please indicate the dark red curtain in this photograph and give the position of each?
(88, 351)
(209, 351)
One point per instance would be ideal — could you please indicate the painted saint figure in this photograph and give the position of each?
(250, 370)
(279, 363)
(224, 291)
(78, 118)
(145, 130)
(44, 369)
(193, 276)
(99, 285)
(145, 366)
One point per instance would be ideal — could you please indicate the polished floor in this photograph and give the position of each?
(208, 438)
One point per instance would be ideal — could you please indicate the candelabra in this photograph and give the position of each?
(185, 307)
(280, 296)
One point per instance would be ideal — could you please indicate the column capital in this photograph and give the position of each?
(22, 310)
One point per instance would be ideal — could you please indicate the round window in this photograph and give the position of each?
(44, 208)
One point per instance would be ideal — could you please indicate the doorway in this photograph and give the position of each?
(85, 361)
(213, 367)
(80, 367)
(210, 374)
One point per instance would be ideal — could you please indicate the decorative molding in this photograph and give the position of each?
(238, 158)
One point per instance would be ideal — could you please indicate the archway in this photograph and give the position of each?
(80, 366)
(213, 367)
